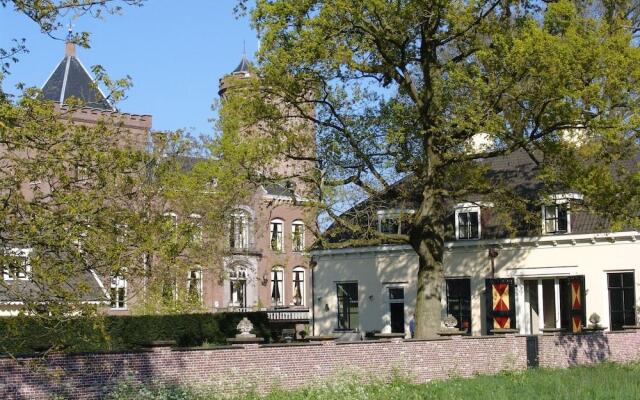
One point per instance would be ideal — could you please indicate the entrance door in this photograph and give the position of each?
(396, 309)
(459, 302)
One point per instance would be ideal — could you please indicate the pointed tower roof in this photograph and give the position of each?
(243, 67)
(71, 79)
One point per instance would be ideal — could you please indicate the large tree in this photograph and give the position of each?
(401, 89)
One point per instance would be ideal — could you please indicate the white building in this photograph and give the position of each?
(553, 279)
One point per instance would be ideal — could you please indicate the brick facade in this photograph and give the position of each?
(88, 376)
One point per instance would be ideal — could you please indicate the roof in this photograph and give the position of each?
(243, 66)
(71, 79)
(18, 290)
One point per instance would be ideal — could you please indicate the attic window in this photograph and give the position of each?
(555, 219)
(467, 222)
(394, 221)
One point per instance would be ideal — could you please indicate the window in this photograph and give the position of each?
(172, 218)
(396, 309)
(395, 221)
(275, 235)
(238, 287)
(16, 265)
(239, 230)
(467, 223)
(298, 286)
(389, 225)
(196, 227)
(459, 302)
(194, 285)
(622, 299)
(556, 218)
(118, 292)
(297, 235)
(277, 286)
(348, 306)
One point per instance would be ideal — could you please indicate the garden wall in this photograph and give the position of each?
(239, 367)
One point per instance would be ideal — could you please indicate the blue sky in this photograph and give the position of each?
(175, 52)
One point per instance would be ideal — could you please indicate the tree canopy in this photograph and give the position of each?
(401, 89)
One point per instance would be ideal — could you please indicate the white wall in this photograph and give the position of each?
(374, 267)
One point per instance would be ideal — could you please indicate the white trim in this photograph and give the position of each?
(52, 72)
(64, 79)
(100, 283)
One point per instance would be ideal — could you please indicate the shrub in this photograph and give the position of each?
(27, 334)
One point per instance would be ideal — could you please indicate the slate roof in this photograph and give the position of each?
(26, 289)
(515, 169)
(71, 79)
(243, 66)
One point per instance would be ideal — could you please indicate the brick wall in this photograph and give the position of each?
(561, 351)
(87, 376)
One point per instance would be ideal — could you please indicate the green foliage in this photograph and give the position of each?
(399, 89)
(605, 381)
(26, 334)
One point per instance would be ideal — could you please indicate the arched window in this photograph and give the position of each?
(298, 286)
(277, 286)
(239, 230)
(275, 234)
(238, 287)
(297, 236)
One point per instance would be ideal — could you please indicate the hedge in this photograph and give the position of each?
(28, 334)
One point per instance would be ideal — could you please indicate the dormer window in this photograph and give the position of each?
(394, 222)
(555, 219)
(467, 222)
(17, 265)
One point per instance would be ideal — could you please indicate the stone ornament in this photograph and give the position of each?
(245, 327)
(450, 322)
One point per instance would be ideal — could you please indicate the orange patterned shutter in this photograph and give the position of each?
(577, 309)
(501, 310)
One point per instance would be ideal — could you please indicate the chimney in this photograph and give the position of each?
(70, 49)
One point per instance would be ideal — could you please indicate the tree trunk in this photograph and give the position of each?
(428, 314)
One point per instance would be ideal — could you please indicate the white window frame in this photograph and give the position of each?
(280, 235)
(392, 213)
(20, 276)
(118, 282)
(277, 272)
(556, 204)
(294, 225)
(237, 274)
(463, 209)
(198, 279)
(298, 270)
(196, 219)
(243, 236)
(174, 218)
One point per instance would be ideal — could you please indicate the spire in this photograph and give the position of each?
(71, 79)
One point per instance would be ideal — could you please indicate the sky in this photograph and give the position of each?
(174, 51)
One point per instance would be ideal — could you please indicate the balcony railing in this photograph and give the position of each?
(289, 314)
(276, 314)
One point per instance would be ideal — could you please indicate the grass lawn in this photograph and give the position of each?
(604, 381)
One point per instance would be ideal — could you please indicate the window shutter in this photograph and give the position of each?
(577, 308)
(501, 305)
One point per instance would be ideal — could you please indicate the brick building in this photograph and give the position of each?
(266, 266)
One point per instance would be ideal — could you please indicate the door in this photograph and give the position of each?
(572, 298)
(396, 309)
(459, 302)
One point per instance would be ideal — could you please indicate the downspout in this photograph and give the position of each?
(312, 265)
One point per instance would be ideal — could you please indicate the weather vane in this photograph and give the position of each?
(69, 31)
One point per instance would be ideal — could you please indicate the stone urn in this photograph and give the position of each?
(245, 336)
(449, 323)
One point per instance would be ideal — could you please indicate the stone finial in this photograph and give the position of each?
(245, 327)
(450, 322)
